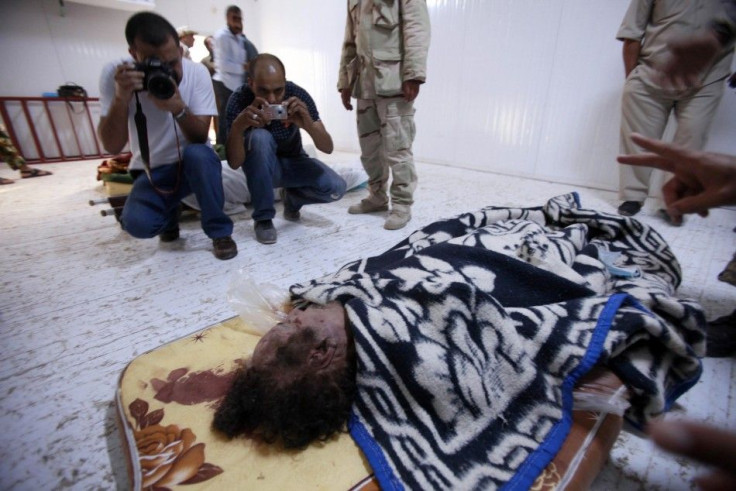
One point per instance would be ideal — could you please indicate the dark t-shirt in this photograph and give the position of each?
(289, 139)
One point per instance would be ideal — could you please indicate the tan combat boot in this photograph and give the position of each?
(398, 218)
(367, 206)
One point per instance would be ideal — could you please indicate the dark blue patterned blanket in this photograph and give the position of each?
(472, 332)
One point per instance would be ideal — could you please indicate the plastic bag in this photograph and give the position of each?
(601, 398)
(261, 306)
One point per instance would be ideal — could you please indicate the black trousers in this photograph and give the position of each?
(222, 95)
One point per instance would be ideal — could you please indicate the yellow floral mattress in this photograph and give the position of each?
(166, 400)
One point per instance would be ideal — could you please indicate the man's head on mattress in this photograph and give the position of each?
(299, 383)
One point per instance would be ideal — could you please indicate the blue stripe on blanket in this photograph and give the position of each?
(376, 458)
(539, 459)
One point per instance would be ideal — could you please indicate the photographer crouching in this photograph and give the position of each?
(264, 119)
(163, 104)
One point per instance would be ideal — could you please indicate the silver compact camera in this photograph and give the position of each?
(277, 111)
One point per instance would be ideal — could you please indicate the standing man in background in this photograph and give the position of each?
(383, 63)
(646, 30)
(233, 52)
(186, 38)
(209, 60)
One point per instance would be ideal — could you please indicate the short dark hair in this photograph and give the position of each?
(265, 58)
(232, 9)
(307, 408)
(149, 28)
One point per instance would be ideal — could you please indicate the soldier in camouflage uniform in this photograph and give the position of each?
(15, 160)
(383, 63)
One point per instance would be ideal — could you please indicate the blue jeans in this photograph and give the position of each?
(148, 213)
(305, 179)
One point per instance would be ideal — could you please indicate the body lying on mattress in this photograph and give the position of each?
(453, 355)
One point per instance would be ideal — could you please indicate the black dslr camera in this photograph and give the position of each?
(159, 79)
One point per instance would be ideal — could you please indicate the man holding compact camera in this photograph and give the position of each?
(163, 105)
(264, 117)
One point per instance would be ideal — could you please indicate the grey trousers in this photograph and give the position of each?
(646, 109)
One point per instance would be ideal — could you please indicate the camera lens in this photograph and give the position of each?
(161, 86)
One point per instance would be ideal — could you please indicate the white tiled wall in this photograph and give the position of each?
(523, 87)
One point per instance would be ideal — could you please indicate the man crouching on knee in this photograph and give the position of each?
(264, 119)
(163, 104)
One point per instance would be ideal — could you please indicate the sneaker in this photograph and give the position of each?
(674, 221)
(721, 336)
(265, 232)
(225, 247)
(290, 213)
(629, 208)
(398, 218)
(169, 235)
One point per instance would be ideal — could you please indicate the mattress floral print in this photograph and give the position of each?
(168, 455)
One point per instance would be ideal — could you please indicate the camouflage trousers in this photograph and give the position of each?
(386, 131)
(8, 152)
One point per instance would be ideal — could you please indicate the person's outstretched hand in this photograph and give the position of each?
(687, 59)
(705, 444)
(702, 180)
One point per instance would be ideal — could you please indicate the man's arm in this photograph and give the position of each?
(244, 118)
(234, 148)
(250, 50)
(347, 56)
(113, 127)
(299, 115)
(195, 127)
(416, 33)
(631, 51)
(320, 136)
(194, 114)
(632, 30)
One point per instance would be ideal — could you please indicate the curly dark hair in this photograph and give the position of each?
(307, 407)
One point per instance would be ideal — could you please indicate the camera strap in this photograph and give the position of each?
(141, 127)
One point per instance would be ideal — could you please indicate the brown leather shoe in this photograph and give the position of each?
(225, 247)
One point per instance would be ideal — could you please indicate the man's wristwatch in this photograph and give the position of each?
(182, 114)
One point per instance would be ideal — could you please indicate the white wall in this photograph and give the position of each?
(523, 87)
(40, 49)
